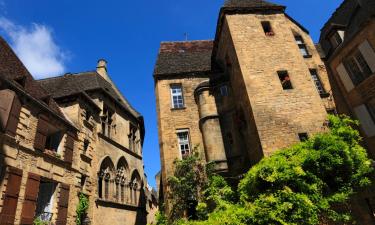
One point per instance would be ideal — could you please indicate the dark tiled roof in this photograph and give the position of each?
(349, 16)
(12, 68)
(73, 84)
(184, 57)
(248, 4)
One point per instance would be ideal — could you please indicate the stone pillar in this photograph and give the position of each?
(209, 125)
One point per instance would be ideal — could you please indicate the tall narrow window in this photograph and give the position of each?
(122, 193)
(132, 138)
(177, 97)
(285, 80)
(267, 28)
(371, 110)
(224, 90)
(357, 67)
(183, 142)
(107, 119)
(302, 46)
(317, 82)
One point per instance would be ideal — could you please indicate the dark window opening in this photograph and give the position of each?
(357, 68)
(132, 138)
(191, 210)
(335, 39)
(46, 99)
(285, 80)
(87, 115)
(86, 144)
(303, 137)
(371, 110)
(302, 46)
(83, 180)
(53, 141)
(224, 90)
(107, 121)
(267, 28)
(45, 201)
(100, 187)
(317, 82)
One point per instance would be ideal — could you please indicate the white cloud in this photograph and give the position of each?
(36, 48)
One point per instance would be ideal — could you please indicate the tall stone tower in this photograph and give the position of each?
(259, 86)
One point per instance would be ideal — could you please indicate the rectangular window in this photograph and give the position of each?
(177, 97)
(303, 137)
(357, 67)
(224, 90)
(132, 137)
(302, 46)
(285, 80)
(335, 40)
(53, 141)
(267, 28)
(44, 206)
(107, 119)
(85, 145)
(317, 82)
(183, 142)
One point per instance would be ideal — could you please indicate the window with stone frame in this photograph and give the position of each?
(285, 81)
(132, 136)
(336, 38)
(107, 120)
(267, 28)
(357, 67)
(302, 46)
(45, 200)
(183, 142)
(177, 97)
(317, 81)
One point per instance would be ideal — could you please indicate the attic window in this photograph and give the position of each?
(267, 28)
(21, 81)
(285, 80)
(336, 38)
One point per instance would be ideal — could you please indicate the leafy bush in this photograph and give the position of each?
(82, 207)
(302, 185)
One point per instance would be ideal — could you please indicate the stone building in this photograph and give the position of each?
(348, 43)
(65, 136)
(259, 86)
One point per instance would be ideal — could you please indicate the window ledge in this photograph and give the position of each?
(85, 157)
(176, 109)
(307, 56)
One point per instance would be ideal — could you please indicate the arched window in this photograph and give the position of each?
(105, 178)
(121, 177)
(135, 185)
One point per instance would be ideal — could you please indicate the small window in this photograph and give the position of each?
(177, 97)
(86, 144)
(302, 46)
(224, 90)
(357, 67)
(53, 141)
(21, 81)
(285, 80)
(87, 115)
(107, 119)
(267, 28)
(303, 137)
(183, 142)
(317, 82)
(336, 39)
(83, 180)
(132, 137)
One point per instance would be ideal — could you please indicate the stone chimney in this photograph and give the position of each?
(101, 69)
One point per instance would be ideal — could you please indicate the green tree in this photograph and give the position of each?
(305, 184)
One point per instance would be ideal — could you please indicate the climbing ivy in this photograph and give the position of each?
(82, 207)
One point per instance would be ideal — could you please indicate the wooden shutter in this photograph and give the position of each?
(69, 146)
(365, 119)
(31, 196)
(344, 76)
(41, 133)
(62, 213)
(14, 117)
(8, 212)
(369, 54)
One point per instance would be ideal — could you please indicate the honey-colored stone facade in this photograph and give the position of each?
(238, 112)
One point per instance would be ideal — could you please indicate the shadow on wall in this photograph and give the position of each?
(141, 218)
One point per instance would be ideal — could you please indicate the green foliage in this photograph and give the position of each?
(161, 218)
(82, 207)
(38, 221)
(302, 185)
(186, 184)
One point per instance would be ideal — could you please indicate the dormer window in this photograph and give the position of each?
(336, 38)
(267, 28)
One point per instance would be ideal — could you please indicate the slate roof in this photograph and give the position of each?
(11, 68)
(248, 4)
(80, 83)
(184, 57)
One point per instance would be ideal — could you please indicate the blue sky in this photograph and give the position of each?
(54, 37)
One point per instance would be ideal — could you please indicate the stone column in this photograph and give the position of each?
(209, 125)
